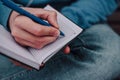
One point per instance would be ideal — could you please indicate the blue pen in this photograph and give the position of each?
(13, 6)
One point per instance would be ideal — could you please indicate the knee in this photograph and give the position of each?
(101, 36)
(99, 41)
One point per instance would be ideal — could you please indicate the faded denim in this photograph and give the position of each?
(95, 55)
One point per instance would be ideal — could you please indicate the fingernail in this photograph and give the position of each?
(56, 33)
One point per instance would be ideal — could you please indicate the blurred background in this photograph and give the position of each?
(114, 21)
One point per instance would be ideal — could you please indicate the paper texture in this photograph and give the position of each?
(67, 27)
(34, 57)
(9, 47)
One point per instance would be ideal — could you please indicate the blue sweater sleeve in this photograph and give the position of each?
(83, 12)
(88, 12)
(4, 14)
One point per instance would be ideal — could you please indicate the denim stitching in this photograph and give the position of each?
(82, 41)
(15, 75)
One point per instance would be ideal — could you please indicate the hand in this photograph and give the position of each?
(29, 33)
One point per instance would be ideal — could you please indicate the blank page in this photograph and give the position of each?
(70, 30)
(9, 47)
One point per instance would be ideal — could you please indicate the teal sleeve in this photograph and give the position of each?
(4, 15)
(89, 12)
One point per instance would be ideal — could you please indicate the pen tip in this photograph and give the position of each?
(62, 34)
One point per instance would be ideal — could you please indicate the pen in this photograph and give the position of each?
(16, 8)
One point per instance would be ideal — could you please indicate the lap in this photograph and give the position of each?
(94, 56)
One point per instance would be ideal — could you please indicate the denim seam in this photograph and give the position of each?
(18, 73)
(82, 41)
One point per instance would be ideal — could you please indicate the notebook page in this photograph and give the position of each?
(10, 48)
(68, 28)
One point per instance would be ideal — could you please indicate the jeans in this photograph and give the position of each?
(95, 55)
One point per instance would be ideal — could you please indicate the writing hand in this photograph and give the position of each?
(29, 33)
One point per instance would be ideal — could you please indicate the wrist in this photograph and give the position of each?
(11, 19)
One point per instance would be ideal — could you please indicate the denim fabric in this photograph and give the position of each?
(95, 55)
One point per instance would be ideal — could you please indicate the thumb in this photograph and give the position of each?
(52, 19)
(50, 16)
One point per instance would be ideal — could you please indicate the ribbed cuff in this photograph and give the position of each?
(4, 15)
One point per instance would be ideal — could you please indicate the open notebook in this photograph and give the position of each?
(35, 57)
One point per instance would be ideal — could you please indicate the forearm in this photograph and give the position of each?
(88, 12)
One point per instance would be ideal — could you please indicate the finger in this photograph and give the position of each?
(52, 19)
(42, 65)
(34, 28)
(45, 31)
(46, 40)
(67, 50)
(39, 43)
(21, 34)
(15, 62)
(20, 64)
(50, 16)
(25, 43)
(27, 39)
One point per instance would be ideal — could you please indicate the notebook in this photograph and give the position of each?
(35, 57)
